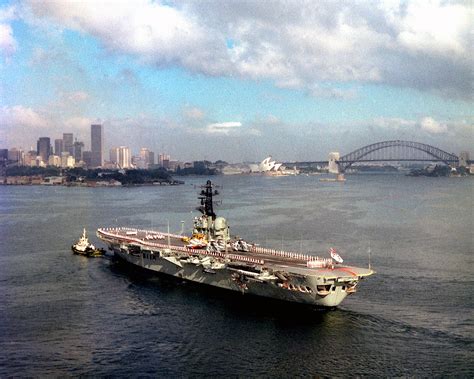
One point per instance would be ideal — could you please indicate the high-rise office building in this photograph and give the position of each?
(121, 156)
(16, 155)
(68, 143)
(97, 145)
(147, 157)
(125, 157)
(3, 154)
(87, 158)
(164, 160)
(113, 155)
(58, 147)
(44, 148)
(78, 150)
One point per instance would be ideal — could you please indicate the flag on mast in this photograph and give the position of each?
(335, 255)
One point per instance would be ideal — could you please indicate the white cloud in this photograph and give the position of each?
(7, 42)
(194, 113)
(78, 123)
(332, 93)
(295, 44)
(402, 126)
(8, 13)
(157, 34)
(394, 123)
(223, 127)
(74, 97)
(21, 124)
(430, 125)
(20, 116)
(435, 28)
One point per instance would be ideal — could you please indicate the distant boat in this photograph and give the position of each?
(338, 178)
(84, 247)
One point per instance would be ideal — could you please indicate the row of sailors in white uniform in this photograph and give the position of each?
(154, 237)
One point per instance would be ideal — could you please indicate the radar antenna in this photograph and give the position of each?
(205, 196)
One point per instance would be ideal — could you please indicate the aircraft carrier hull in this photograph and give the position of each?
(260, 272)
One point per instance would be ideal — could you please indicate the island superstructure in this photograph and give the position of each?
(213, 257)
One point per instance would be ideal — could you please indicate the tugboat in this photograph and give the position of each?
(84, 247)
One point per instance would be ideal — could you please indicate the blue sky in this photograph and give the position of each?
(237, 80)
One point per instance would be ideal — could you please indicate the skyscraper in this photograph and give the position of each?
(121, 156)
(164, 160)
(3, 154)
(114, 155)
(68, 143)
(16, 155)
(147, 156)
(44, 148)
(58, 147)
(97, 145)
(78, 150)
(87, 158)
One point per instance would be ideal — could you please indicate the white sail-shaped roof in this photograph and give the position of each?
(268, 165)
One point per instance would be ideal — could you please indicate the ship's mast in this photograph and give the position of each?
(206, 194)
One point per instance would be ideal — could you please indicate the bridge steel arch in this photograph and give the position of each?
(348, 160)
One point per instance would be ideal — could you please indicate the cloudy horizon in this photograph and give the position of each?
(237, 80)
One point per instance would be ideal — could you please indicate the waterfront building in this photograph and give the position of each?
(16, 155)
(29, 157)
(173, 165)
(53, 180)
(267, 167)
(67, 160)
(139, 162)
(44, 148)
(68, 143)
(54, 160)
(38, 162)
(97, 145)
(71, 162)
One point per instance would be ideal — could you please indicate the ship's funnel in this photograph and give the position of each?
(332, 162)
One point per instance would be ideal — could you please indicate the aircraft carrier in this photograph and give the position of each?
(213, 257)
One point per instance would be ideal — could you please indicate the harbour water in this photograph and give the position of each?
(64, 315)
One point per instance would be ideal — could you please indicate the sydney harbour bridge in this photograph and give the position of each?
(389, 151)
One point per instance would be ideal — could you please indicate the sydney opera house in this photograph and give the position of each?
(271, 167)
(268, 165)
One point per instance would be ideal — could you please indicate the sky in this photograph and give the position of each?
(238, 80)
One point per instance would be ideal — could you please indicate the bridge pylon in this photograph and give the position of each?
(333, 162)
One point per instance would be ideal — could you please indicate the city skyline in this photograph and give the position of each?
(237, 81)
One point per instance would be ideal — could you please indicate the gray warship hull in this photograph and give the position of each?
(211, 256)
(258, 271)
